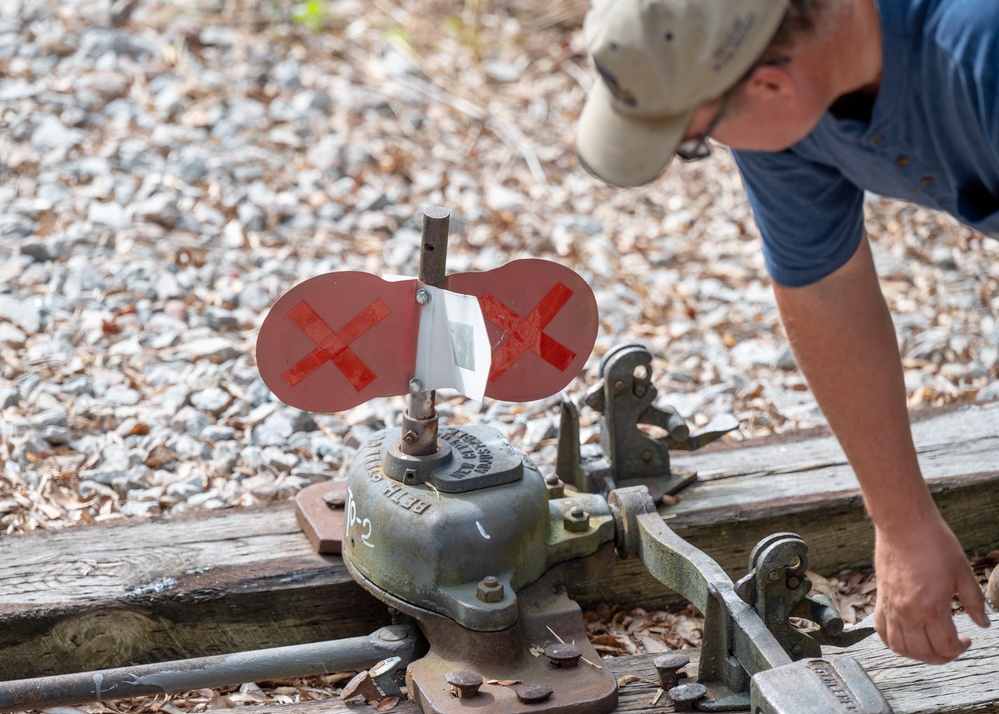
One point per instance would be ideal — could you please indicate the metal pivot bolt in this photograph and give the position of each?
(563, 655)
(464, 684)
(490, 589)
(576, 520)
(422, 296)
(668, 667)
(415, 385)
(684, 696)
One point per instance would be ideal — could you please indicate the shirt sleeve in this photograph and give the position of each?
(810, 216)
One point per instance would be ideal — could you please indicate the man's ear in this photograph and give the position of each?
(771, 83)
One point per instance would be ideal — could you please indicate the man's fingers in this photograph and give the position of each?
(944, 641)
(918, 646)
(970, 594)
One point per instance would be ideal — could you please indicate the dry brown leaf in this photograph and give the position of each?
(626, 679)
(386, 704)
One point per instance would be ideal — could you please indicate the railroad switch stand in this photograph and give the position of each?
(463, 537)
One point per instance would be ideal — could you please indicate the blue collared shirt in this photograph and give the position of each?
(933, 139)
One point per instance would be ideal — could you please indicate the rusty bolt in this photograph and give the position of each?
(532, 693)
(576, 520)
(647, 455)
(555, 486)
(668, 666)
(490, 590)
(563, 655)
(361, 685)
(774, 576)
(335, 499)
(619, 386)
(793, 583)
(797, 651)
(464, 684)
(684, 696)
(423, 296)
(410, 437)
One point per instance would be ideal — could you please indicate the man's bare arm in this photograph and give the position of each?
(844, 341)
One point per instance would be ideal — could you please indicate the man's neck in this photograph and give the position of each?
(847, 60)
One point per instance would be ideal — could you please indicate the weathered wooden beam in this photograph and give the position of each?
(147, 591)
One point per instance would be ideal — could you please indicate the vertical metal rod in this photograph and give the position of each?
(419, 426)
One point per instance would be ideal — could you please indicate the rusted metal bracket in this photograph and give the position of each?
(627, 455)
(542, 664)
(319, 509)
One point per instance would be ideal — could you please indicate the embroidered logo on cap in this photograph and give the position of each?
(733, 41)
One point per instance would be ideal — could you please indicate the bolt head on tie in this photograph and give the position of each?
(684, 696)
(668, 667)
(415, 385)
(563, 655)
(423, 296)
(464, 684)
(335, 499)
(532, 693)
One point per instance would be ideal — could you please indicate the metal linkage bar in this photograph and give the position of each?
(221, 670)
(737, 643)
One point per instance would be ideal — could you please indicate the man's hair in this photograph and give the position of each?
(801, 19)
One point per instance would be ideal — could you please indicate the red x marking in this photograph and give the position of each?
(333, 346)
(527, 333)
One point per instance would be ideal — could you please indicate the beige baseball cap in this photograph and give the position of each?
(658, 61)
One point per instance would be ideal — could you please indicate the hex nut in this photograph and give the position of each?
(576, 520)
(464, 684)
(555, 486)
(490, 589)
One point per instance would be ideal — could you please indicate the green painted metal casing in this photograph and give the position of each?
(428, 530)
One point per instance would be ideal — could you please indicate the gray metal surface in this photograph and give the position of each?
(817, 686)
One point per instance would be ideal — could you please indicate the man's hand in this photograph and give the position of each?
(845, 344)
(919, 569)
